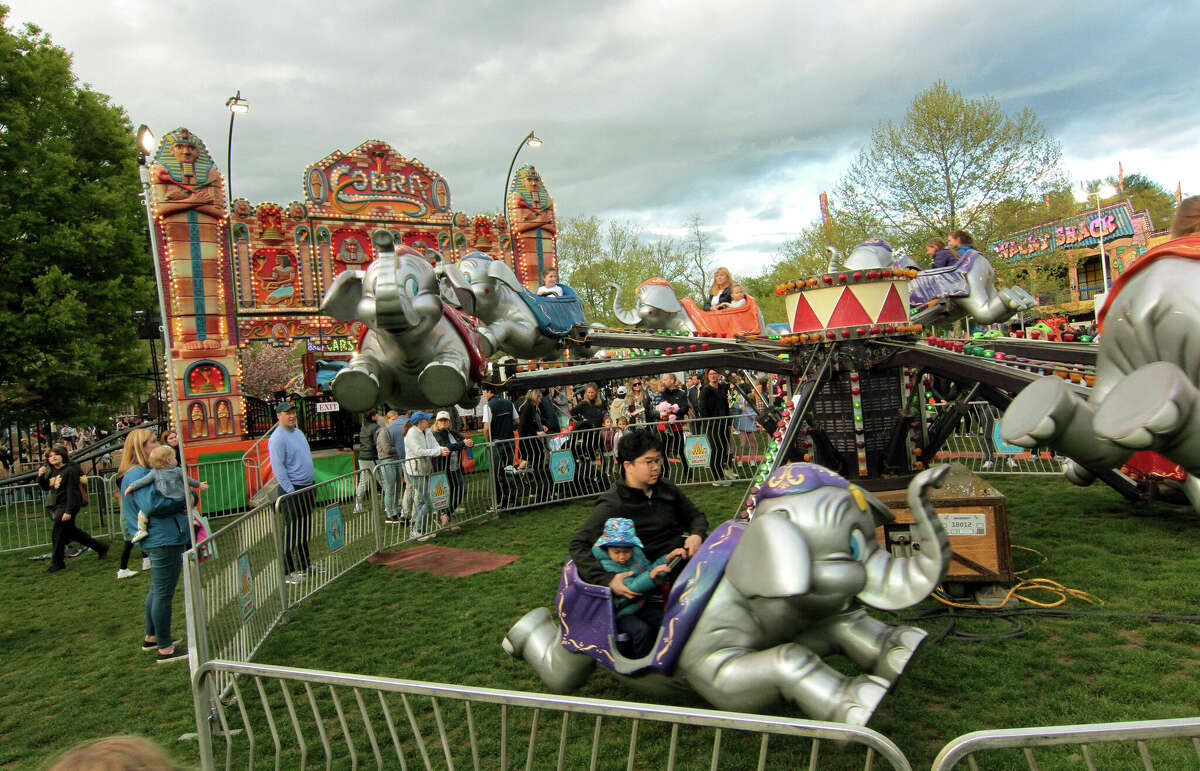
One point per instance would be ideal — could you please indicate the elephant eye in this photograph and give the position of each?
(858, 544)
(411, 287)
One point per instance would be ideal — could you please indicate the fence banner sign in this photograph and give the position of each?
(1003, 447)
(334, 528)
(245, 585)
(696, 451)
(562, 466)
(439, 490)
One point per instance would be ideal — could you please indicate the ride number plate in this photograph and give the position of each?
(964, 524)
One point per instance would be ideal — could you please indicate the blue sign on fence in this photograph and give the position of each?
(245, 585)
(562, 466)
(696, 451)
(439, 490)
(1002, 446)
(334, 528)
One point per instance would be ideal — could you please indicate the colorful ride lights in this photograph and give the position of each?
(846, 333)
(831, 279)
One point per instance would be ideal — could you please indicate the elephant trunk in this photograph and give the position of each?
(894, 583)
(628, 318)
(835, 259)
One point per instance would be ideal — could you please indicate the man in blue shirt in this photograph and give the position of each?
(292, 463)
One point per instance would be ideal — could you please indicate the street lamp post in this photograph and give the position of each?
(1103, 191)
(145, 142)
(236, 104)
(532, 140)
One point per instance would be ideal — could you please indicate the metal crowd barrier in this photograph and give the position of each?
(977, 445)
(1080, 739)
(228, 491)
(293, 716)
(25, 522)
(552, 468)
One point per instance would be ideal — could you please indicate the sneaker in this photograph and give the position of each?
(729, 474)
(55, 568)
(1012, 463)
(153, 646)
(358, 509)
(102, 553)
(179, 654)
(716, 484)
(145, 563)
(126, 573)
(392, 519)
(294, 577)
(987, 464)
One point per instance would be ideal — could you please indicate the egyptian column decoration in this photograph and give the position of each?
(188, 198)
(533, 227)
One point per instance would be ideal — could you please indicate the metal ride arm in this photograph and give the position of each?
(613, 369)
(801, 404)
(961, 367)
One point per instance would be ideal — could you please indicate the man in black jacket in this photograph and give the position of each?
(662, 515)
(367, 457)
(499, 421)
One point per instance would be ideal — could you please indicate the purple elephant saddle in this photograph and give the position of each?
(942, 282)
(585, 611)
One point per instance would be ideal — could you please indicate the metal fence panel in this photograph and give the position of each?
(976, 444)
(25, 522)
(324, 533)
(288, 716)
(1085, 738)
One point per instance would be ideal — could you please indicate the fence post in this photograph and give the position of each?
(203, 698)
(491, 456)
(374, 508)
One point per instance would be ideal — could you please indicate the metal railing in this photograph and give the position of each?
(976, 444)
(294, 716)
(1125, 744)
(569, 465)
(26, 524)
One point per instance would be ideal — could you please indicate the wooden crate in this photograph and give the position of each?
(975, 516)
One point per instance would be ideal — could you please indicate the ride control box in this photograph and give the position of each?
(974, 515)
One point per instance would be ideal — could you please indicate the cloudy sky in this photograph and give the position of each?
(651, 112)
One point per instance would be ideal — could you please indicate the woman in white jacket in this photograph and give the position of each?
(420, 447)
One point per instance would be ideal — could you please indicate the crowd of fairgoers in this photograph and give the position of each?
(24, 448)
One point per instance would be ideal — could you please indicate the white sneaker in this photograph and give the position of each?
(145, 563)
(126, 573)
(294, 577)
(987, 464)
(730, 474)
(1012, 463)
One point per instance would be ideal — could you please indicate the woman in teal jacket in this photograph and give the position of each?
(620, 551)
(166, 540)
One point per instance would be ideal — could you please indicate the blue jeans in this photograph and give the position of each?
(421, 490)
(390, 471)
(165, 564)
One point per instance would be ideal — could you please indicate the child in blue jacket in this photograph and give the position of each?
(620, 551)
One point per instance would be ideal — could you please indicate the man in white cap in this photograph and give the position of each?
(292, 464)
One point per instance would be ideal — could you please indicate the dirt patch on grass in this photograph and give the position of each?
(1134, 639)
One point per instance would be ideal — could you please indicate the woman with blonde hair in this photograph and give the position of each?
(133, 454)
(721, 290)
(166, 540)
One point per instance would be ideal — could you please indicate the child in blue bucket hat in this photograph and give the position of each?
(620, 551)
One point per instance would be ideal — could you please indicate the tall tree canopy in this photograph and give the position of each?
(948, 165)
(73, 244)
(592, 254)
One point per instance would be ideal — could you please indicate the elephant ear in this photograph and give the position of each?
(453, 279)
(341, 301)
(772, 559)
(502, 273)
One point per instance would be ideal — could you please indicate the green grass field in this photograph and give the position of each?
(72, 669)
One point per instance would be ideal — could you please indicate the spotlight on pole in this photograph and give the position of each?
(145, 142)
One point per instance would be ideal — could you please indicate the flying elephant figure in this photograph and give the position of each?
(970, 284)
(418, 352)
(515, 320)
(1147, 390)
(655, 307)
(751, 617)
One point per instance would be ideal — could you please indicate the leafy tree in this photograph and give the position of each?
(948, 165)
(266, 368)
(699, 261)
(592, 254)
(73, 240)
(1145, 193)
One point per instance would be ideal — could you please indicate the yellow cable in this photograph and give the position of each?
(1034, 584)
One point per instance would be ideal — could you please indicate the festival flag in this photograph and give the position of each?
(1120, 177)
(825, 209)
(1178, 193)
